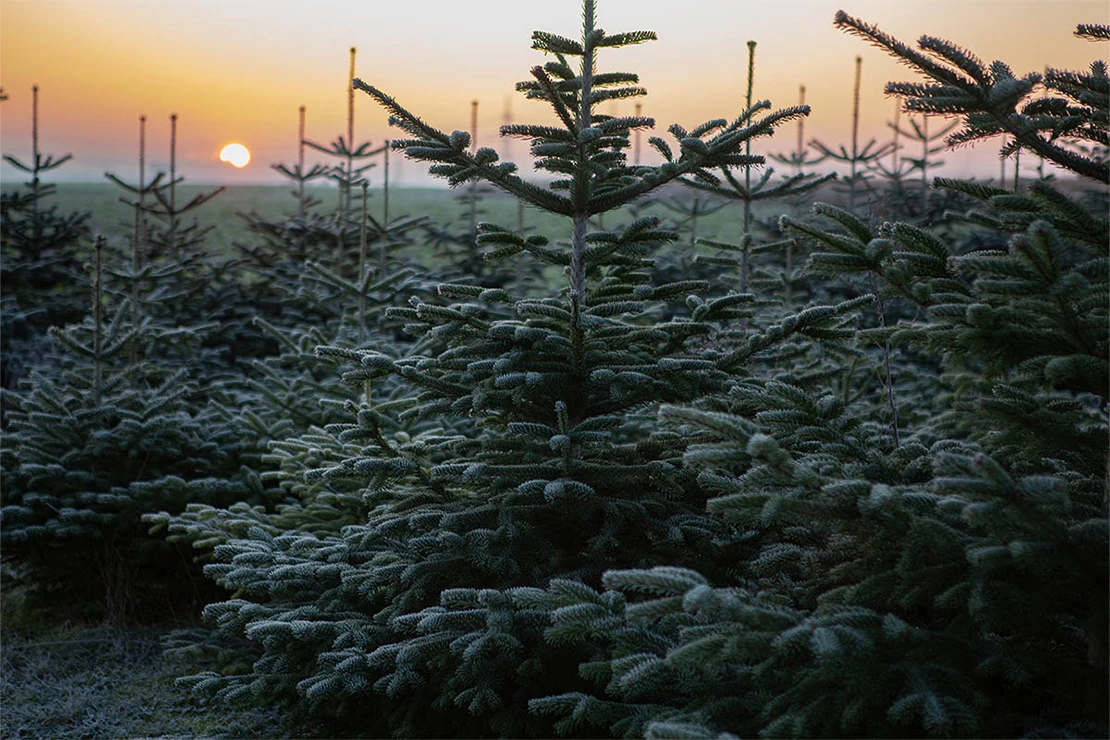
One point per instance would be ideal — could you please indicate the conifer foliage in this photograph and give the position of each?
(578, 491)
(952, 582)
(38, 245)
(640, 507)
(94, 444)
(520, 446)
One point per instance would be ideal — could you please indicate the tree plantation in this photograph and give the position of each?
(842, 472)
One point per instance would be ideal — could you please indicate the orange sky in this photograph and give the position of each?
(237, 70)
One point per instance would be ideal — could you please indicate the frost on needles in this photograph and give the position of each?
(617, 504)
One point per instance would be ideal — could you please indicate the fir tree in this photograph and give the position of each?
(92, 448)
(860, 159)
(347, 175)
(953, 584)
(40, 263)
(176, 238)
(732, 187)
(512, 443)
(31, 231)
(919, 133)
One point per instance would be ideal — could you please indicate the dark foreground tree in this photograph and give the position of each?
(515, 442)
(950, 580)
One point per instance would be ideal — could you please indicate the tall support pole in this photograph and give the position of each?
(924, 165)
(362, 282)
(801, 146)
(35, 163)
(474, 182)
(173, 189)
(140, 224)
(855, 136)
(745, 255)
(636, 140)
(385, 185)
(507, 119)
(350, 133)
(300, 165)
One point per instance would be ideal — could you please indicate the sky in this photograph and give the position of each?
(238, 70)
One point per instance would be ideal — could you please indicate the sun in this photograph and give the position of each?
(236, 155)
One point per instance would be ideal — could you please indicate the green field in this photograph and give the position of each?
(113, 217)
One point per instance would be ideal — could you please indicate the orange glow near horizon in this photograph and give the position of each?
(233, 68)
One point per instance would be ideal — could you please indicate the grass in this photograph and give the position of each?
(81, 682)
(112, 217)
(61, 679)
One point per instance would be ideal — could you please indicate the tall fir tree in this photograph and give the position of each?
(950, 583)
(94, 446)
(513, 444)
(40, 260)
(859, 159)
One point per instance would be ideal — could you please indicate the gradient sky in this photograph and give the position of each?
(237, 70)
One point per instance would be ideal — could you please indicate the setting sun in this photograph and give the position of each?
(236, 155)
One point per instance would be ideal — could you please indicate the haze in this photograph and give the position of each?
(237, 70)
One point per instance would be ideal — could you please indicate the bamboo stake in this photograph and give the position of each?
(745, 255)
(350, 133)
(173, 189)
(98, 319)
(855, 136)
(362, 267)
(636, 140)
(474, 182)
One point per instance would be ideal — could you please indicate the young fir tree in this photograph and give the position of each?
(331, 239)
(951, 584)
(266, 295)
(530, 456)
(282, 399)
(40, 273)
(175, 238)
(793, 282)
(281, 403)
(301, 174)
(125, 427)
(859, 160)
(288, 242)
(742, 189)
(93, 447)
(141, 197)
(348, 175)
(903, 166)
(34, 234)
(166, 278)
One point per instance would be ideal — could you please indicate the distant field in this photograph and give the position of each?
(112, 217)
